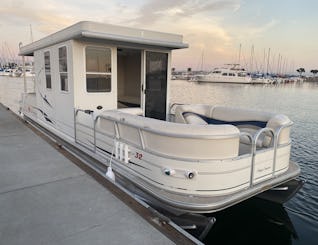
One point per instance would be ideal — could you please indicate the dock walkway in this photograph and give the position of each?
(46, 199)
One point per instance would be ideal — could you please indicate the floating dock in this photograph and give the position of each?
(46, 199)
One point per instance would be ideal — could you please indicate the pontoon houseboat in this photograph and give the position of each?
(105, 90)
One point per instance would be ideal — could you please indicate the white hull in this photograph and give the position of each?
(176, 167)
(217, 79)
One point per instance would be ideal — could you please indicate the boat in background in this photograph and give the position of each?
(6, 72)
(232, 73)
(260, 78)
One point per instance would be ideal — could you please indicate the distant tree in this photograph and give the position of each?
(300, 71)
(314, 72)
(189, 69)
(173, 69)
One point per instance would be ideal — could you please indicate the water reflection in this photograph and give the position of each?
(254, 221)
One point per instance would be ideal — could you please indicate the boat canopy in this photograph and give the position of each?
(108, 33)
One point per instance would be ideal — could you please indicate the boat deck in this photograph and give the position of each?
(46, 199)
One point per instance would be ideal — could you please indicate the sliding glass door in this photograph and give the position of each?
(156, 85)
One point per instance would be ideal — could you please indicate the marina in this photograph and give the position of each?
(302, 208)
(190, 159)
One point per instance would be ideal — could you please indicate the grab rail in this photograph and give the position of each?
(277, 134)
(76, 111)
(254, 145)
(116, 121)
(274, 136)
(179, 135)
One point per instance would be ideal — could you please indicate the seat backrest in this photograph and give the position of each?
(177, 140)
(278, 121)
(183, 113)
(231, 114)
(193, 118)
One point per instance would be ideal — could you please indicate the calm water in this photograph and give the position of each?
(253, 221)
(256, 221)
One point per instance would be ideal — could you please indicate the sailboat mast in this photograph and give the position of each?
(202, 59)
(239, 57)
(269, 52)
(252, 56)
(31, 33)
(278, 63)
(263, 65)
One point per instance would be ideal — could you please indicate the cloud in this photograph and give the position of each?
(154, 10)
(252, 32)
(200, 22)
(46, 18)
(260, 30)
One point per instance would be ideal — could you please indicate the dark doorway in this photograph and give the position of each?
(128, 78)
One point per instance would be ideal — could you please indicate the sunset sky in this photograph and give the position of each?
(213, 29)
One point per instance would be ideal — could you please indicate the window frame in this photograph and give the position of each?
(47, 72)
(63, 72)
(106, 74)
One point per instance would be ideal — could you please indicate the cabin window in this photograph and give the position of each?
(47, 66)
(63, 68)
(224, 74)
(98, 69)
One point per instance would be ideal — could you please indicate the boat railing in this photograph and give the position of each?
(254, 150)
(275, 134)
(76, 111)
(172, 110)
(117, 134)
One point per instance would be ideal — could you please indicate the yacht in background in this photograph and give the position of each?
(232, 73)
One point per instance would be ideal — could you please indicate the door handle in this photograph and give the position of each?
(143, 89)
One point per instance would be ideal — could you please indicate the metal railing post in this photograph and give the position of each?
(142, 141)
(277, 134)
(252, 155)
(76, 111)
(254, 144)
(95, 121)
(75, 115)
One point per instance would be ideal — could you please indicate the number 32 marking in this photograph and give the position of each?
(138, 155)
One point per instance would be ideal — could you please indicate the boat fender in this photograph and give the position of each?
(190, 174)
(169, 172)
(110, 174)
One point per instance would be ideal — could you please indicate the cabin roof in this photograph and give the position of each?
(88, 30)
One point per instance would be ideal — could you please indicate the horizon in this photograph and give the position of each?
(218, 32)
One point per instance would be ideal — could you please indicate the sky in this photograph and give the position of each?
(216, 30)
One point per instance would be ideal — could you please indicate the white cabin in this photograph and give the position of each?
(97, 67)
